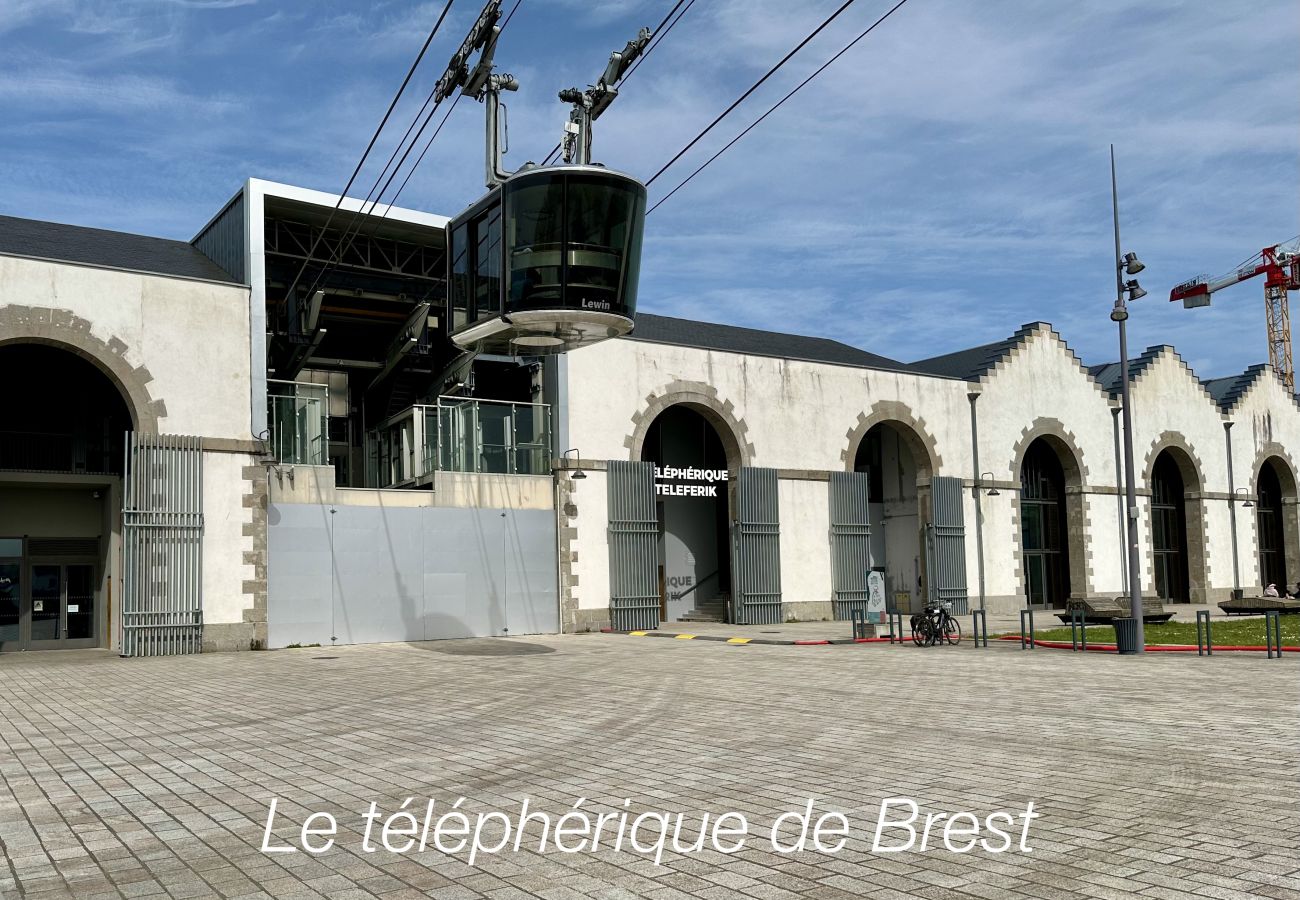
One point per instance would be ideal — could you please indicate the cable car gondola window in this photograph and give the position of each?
(460, 277)
(600, 220)
(487, 265)
(535, 223)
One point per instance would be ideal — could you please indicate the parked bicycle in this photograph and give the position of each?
(936, 625)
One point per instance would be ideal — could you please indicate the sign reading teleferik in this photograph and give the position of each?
(677, 481)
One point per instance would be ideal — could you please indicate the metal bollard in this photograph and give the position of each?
(1029, 643)
(896, 628)
(980, 627)
(1204, 643)
(1273, 633)
(1078, 630)
(859, 624)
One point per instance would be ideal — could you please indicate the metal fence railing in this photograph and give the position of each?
(461, 435)
(298, 419)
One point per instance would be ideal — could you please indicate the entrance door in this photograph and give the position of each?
(60, 607)
(11, 592)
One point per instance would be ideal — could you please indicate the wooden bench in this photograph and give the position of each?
(1257, 606)
(1105, 610)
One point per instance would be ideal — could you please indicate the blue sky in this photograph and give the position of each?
(943, 183)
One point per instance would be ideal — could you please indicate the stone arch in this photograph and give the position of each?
(1078, 524)
(63, 330)
(1063, 442)
(1286, 471)
(1192, 471)
(703, 399)
(1189, 463)
(910, 427)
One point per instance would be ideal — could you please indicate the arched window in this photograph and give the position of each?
(1044, 548)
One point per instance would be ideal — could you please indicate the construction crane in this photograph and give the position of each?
(1280, 266)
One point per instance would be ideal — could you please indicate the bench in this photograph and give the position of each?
(1257, 606)
(1105, 610)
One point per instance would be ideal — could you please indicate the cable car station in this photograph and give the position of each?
(328, 420)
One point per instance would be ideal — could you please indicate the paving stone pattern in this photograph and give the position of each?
(1162, 777)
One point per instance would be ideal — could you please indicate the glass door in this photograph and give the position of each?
(79, 602)
(61, 606)
(46, 615)
(11, 592)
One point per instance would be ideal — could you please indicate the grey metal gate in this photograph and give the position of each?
(162, 545)
(756, 550)
(850, 541)
(946, 543)
(633, 547)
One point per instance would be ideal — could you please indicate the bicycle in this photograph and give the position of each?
(936, 625)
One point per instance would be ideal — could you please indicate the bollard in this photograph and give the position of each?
(980, 627)
(1027, 644)
(1273, 633)
(1078, 630)
(896, 628)
(859, 624)
(1204, 645)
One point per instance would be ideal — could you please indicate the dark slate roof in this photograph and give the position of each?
(751, 341)
(976, 362)
(1108, 375)
(1227, 391)
(114, 249)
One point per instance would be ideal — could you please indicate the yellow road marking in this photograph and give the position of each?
(684, 637)
(739, 640)
(637, 633)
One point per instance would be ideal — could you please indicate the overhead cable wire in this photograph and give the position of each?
(659, 33)
(776, 106)
(755, 86)
(362, 215)
(370, 146)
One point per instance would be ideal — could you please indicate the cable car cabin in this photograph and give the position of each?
(548, 261)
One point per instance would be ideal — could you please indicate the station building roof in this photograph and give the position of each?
(755, 342)
(36, 239)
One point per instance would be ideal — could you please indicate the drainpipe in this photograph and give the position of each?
(979, 511)
(1119, 502)
(1232, 508)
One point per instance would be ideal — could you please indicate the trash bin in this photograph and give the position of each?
(1126, 636)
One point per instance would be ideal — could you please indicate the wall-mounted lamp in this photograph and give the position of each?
(578, 474)
(1246, 495)
(993, 491)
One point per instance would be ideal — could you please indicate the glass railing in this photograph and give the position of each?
(298, 419)
(461, 435)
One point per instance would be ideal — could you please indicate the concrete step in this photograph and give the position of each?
(697, 615)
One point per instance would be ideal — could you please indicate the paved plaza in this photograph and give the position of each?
(1161, 777)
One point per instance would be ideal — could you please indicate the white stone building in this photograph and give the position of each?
(262, 438)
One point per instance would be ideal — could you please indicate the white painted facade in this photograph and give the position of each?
(804, 419)
(178, 351)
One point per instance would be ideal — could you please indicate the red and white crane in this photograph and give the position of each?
(1280, 266)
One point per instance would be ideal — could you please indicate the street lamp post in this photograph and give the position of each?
(1128, 264)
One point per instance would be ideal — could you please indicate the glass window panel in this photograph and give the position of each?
(460, 276)
(11, 546)
(487, 266)
(1032, 526)
(81, 601)
(47, 602)
(535, 235)
(11, 588)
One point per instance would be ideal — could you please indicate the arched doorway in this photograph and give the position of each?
(1274, 485)
(896, 462)
(1044, 529)
(692, 471)
(1169, 544)
(61, 446)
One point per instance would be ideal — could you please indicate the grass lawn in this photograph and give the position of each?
(1236, 631)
